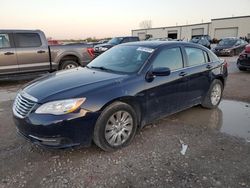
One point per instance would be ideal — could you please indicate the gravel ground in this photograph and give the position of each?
(212, 159)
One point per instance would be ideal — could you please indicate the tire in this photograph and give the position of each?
(68, 64)
(107, 125)
(213, 97)
(242, 69)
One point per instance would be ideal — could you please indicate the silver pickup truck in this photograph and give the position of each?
(27, 51)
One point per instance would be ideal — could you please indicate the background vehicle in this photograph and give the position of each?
(243, 61)
(27, 51)
(53, 42)
(202, 40)
(120, 91)
(230, 46)
(159, 39)
(100, 48)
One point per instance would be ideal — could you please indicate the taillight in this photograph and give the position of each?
(243, 55)
(91, 52)
(247, 49)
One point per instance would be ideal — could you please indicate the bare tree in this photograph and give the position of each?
(145, 24)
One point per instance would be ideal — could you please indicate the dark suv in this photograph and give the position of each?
(100, 48)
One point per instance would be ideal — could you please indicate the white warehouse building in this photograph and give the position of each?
(218, 28)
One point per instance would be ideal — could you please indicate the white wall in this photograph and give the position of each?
(243, 25)
(186, 31)
(182, 31)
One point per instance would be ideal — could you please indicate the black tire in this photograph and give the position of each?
(207, 101)
(101, 131)
(68, 64)
(242, 69)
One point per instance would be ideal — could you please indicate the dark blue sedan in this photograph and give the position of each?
(118, 93)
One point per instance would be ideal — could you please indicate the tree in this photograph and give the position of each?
(145, 24)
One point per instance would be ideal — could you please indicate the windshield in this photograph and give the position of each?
(123, 59)
(116, 40)
(227, 42)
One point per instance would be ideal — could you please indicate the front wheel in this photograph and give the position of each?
(116, 127)
(242, 69)
(68, 64)
(214, 95)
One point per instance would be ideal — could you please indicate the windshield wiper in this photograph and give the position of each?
(101, 68)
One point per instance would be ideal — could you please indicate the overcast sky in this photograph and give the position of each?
(77, 19)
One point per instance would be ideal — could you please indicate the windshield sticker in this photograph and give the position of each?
(149, 50)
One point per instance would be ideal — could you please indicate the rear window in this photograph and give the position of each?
(25, 40)
(4, 41)
(213, 57)
(195, 56)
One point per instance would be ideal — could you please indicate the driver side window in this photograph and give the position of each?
(170, 57)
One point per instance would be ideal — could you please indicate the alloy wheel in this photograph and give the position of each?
(216, 94)
(118, 128)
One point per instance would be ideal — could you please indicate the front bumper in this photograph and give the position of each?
(244, 63)
(222, 53)
(58, 131)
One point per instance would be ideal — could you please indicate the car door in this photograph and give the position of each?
(166, 94)
(198, 68)
(32, 54)
(8, 58)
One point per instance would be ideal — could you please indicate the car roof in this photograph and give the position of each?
(157, 44)
(127, 37)
(230, 38)
(18, 31)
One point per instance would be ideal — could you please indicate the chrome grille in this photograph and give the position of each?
(22, 105)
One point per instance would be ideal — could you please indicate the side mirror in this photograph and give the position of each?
(159, 71)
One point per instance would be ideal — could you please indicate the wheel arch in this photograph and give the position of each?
(130, 101)
(69, 57)
(220, 77)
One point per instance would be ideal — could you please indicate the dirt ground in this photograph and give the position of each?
(218, 153)
(238, 87)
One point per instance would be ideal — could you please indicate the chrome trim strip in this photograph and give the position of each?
(28, 96)
(43, 139)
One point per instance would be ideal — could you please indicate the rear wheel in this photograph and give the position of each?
(214, 95)
(68, 64)
(116, 127)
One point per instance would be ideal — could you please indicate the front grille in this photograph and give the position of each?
(22, 106)
(96, 53)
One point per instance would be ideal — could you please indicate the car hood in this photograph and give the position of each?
(70, 83)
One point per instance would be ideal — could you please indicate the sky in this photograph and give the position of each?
(79, 19)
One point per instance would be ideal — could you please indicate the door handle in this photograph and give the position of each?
(209, 66)
(40, 51)
(182, 74)
(9, 53)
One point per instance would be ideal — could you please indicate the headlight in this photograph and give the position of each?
(60, 107)
(227, 50)
(103, 49)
